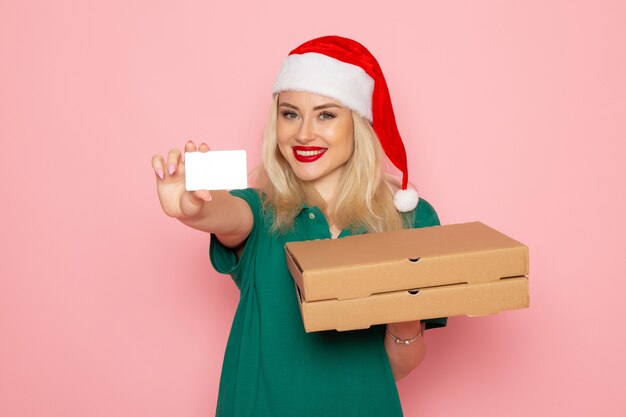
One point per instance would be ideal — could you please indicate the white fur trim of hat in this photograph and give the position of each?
(326, 76)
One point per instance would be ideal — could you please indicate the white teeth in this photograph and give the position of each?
(309, 153)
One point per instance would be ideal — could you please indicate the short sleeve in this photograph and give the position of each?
(426, 216)
(223, 258)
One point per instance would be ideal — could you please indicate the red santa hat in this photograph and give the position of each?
(346, 71)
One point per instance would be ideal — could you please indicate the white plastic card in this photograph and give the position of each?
(215, 170)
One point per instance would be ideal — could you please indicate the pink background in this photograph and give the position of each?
(513, 113)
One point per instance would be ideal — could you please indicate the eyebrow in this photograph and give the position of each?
(323, 106)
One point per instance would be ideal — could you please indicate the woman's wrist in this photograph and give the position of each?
(405, 330)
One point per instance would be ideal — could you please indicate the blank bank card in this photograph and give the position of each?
(215, 170)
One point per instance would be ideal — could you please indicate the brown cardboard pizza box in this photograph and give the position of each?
(427, 303)
(440, 271)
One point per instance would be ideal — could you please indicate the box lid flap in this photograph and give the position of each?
(358, 266)
(401, 245)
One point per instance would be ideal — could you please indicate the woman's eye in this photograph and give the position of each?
(326, 115)
(289, 114)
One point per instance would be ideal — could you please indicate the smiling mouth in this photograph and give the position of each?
(308, 153)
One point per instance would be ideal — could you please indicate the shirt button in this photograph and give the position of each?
(312, 216)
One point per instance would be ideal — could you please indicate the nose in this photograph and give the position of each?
(306, 131)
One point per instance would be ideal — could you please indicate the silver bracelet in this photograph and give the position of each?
(405, 341)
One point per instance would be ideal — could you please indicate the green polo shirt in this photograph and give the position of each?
(271, 366)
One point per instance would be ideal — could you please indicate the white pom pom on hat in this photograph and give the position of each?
(405, 200)
(345, 70)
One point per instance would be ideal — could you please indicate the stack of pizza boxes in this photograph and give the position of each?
(441, 271)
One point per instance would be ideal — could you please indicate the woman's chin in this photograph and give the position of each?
(307, 177)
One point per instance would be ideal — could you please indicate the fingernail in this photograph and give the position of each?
(160, 173)
(171, 169)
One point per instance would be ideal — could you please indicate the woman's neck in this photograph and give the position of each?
(328, 185)
(334, 231)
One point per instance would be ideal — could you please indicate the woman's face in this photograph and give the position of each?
(315, 135)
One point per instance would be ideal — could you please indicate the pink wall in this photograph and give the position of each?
(513, 114)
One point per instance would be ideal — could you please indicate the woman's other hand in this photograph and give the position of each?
(403, 358)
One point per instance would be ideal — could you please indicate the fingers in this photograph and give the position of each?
(158, 164)
(190, 147)
(203, 194)
(173, 157)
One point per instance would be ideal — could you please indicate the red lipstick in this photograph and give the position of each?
(308, 153)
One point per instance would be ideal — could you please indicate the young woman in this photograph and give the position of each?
(322, 176)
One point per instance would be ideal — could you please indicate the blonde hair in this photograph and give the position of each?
(364, 198)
